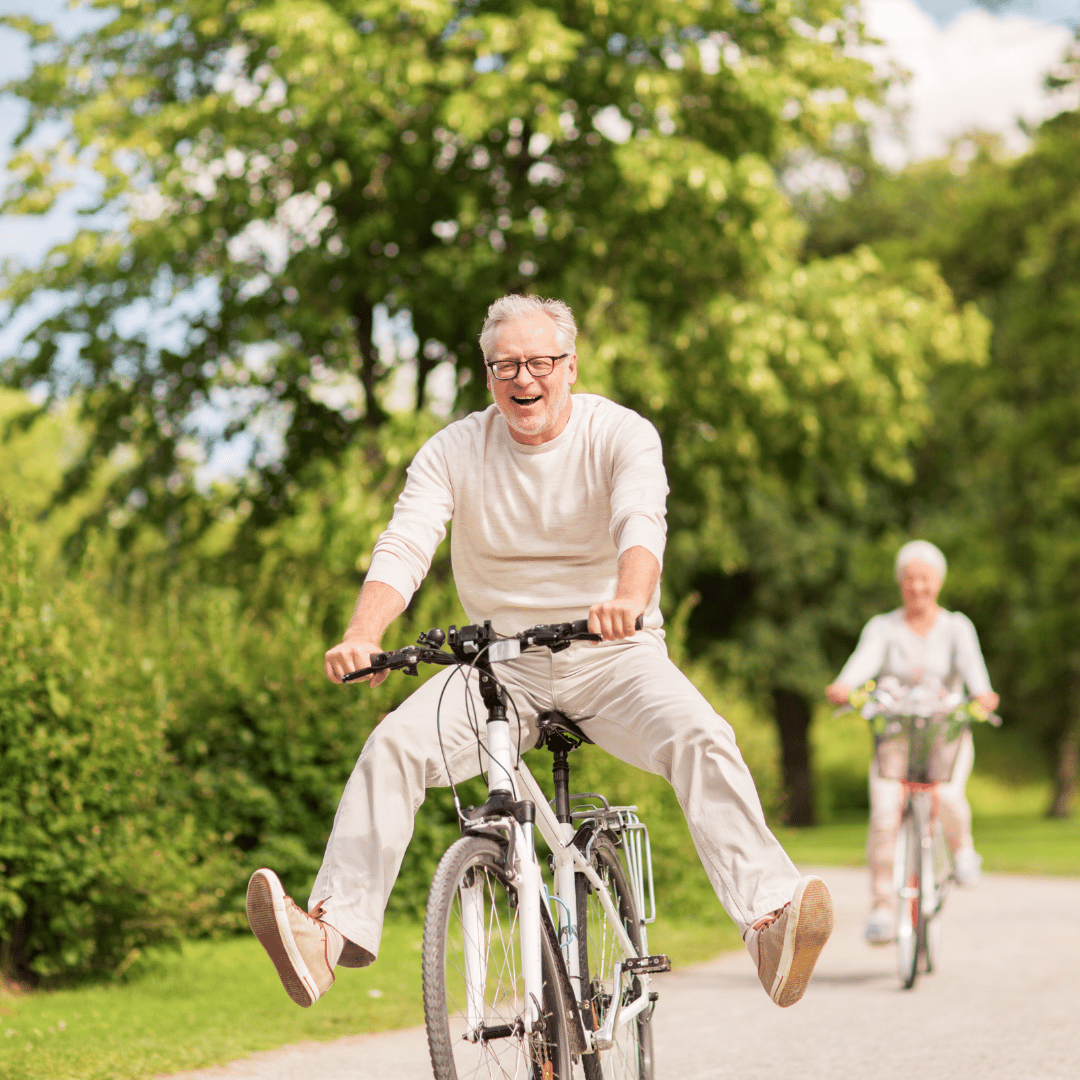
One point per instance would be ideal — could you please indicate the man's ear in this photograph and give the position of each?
(571, 365)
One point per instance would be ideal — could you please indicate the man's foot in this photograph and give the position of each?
(968, 867)
(790, 940)
(296, 941)
(881, 926)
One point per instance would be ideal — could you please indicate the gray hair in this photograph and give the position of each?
(512, 308)
(925, 552)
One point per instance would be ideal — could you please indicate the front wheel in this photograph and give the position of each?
(474, 989)
(907, 881)
(601, 955)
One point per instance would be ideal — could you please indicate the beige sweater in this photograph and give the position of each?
(537, 530)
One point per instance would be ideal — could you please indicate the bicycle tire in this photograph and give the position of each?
(631, 1056)
(476, 863)
(907, 879)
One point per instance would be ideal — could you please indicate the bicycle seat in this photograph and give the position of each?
(555, 723)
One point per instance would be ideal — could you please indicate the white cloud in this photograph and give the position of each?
(980, 71)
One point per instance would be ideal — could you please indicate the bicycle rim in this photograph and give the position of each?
(631, 1056)
(907, 878)
(474, 996)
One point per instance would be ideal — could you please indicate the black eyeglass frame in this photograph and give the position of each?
(490, 365)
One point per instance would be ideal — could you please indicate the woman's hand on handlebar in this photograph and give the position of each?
(838, 693)
(352, 656)
(614, 619)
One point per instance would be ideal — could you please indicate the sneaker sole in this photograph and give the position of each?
(810, 922)
(269, 923)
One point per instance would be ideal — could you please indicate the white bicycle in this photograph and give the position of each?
(523, 978)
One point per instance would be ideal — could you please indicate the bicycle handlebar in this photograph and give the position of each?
(873, 702)
(469, 643)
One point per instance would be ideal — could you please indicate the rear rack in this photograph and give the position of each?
(635, 843)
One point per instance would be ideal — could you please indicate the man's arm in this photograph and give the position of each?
(639, 572)
(377, 606)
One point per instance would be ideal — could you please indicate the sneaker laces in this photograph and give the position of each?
(768, 920)
(754, 932)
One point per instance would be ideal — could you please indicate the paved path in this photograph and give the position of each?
(1005, 1005)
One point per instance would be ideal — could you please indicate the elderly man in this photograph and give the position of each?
(557, 503)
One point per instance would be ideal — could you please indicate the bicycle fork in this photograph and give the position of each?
(523, 873)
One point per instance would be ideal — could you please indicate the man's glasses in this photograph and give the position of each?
(537, 366)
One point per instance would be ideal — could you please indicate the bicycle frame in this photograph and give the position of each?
(924, 803)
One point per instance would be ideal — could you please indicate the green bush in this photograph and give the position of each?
(95, 863)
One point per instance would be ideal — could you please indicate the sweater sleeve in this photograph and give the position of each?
(402, 555)
(968, 657)
(639, 490)
(868, 658)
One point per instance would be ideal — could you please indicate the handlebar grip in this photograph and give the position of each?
(354, 675)
(640, 623)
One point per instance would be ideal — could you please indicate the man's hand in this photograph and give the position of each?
(988, 701)
(614, 619)
(352, 656)
(377, 606)
(639, 573)
(838, 693)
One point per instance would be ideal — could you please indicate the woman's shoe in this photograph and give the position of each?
(880, 927)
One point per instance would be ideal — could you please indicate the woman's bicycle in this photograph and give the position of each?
(522, 979)
(917, 734)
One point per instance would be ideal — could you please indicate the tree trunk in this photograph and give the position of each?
(364, 313)
(424, 368)
(1068, 759)
(792, 712)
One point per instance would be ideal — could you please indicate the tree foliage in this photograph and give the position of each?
(277, 170)
(996, 480)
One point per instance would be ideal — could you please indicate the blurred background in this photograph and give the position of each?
(832, 253)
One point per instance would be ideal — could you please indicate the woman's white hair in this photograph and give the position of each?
(512, 308)
(925, 552)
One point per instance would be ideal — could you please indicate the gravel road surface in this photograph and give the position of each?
(1004, 1005)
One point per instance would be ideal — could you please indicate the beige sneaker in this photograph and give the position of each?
(295, 940)
(791, 939)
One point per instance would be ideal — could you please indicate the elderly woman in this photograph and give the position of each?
(917, 643)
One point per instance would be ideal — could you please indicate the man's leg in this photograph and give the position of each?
(407, 753)
(643, 710)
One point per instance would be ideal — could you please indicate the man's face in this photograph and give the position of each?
(537, 409)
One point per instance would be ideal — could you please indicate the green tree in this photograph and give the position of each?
(996, 479)
(280, 169)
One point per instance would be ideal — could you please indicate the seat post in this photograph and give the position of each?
(560, 773)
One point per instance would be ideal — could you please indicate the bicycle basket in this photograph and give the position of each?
(919, 749)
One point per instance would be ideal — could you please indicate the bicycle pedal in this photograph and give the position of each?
(647, 965)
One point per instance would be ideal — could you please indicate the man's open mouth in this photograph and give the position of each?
(525, 400)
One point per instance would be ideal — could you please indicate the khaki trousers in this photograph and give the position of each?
(632, 701)
(885, 805)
